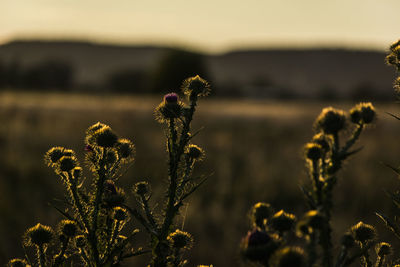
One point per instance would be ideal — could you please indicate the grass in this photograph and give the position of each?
(254, 153)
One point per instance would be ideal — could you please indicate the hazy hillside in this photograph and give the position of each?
(277, 73)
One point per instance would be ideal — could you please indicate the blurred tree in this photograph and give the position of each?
(174, 67)
(48, 74)
(128, 81)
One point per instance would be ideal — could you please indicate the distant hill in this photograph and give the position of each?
(262, 73)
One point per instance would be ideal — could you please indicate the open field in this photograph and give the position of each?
(254, 153)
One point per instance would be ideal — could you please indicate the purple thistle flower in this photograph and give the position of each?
(88, 148)
(171, 98)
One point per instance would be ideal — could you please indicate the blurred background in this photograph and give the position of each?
(272, 65)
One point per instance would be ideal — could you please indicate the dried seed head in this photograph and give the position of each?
(141, 188)
(53, 155)
(68, 228)
(282, 221)
(362, 113)
(259, 245)
(196, 86)
(104, 137)
(288, 257)
(313, 151)
(383, 249)
(260, 212)
(126, 149)
(120, 214)
(18, 263)
(180, 239)
(38, 235)
(363, 232)
(195, 152)
(80, 241)
(331, 121)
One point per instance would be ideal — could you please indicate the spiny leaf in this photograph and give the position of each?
(392, 227)
(394, 116)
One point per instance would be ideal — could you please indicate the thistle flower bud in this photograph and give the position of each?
(68, 228)
(322, 140)
(18, 263)
(383, 249)
(53, 155)
(113, 196)
(38, 235)
(260, 212)
(170, 108)
(180, 239)
(67, 163)
(120, 214)
(363, 232)
(104, 137)
(259, 245)
(80, 241)
(347, 240)
(396, 85)
(313, 151)
(282, 221)
(362, 113)
(111, 156)
(195, 152)
(141, 188)
(288, 257)
(126, 149)
(314, 219)
(196, 86)
(331, 121)
(77, 173)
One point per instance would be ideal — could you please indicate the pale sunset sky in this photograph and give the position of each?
(208, 25)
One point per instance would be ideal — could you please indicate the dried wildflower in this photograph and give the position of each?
(362, 113)
(331, 121)
(363, 232)
(38, 235)
(67, 163)
(259, 245)
(104, 137)
(126, 149)
(260, 212)
(18, 263)
(170, 108)
(68, 228)
(120, 214)
(80, 241)
(180, 239)
(196, 86)
(383, 249)
(288, 257)
(313, 151)
(195, 152)
(53, 155)
(141, 188)
(282, 221)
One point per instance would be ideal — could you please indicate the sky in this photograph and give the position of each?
(207, 25)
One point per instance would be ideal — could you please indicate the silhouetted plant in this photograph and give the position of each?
(97, 213)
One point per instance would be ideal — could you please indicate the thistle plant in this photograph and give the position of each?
(94, 229)
(269, 243)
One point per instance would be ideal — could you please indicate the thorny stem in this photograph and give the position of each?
(149, 215)
(59, 258)
(312, 255)
(317, 182)
(379, 261)
(41, 256)
(77, 202)
(341, 258)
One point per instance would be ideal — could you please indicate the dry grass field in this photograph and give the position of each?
(253, 148)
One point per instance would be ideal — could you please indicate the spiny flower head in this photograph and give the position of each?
(180, 239)
(314, 219)
(195, 86)
(126, 149)
(169, 108)
(396, 85)
(111, 156)
(68, 228)
(260, 212)
(348, 240)
(259, 245)
(282, 221)
(38, 235)
(394, 56)
(288, 257)
(313, 151)
(363, 232)
(322, 140)
(77, 173)
(104, 137)
(362, 113)
(67, 163)
(141, 188)
(53, 155)
(18, 263)
(331, 121)
(195, 152)
(80, 241)
(383, 249)
(120, 214)
(113, 196)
